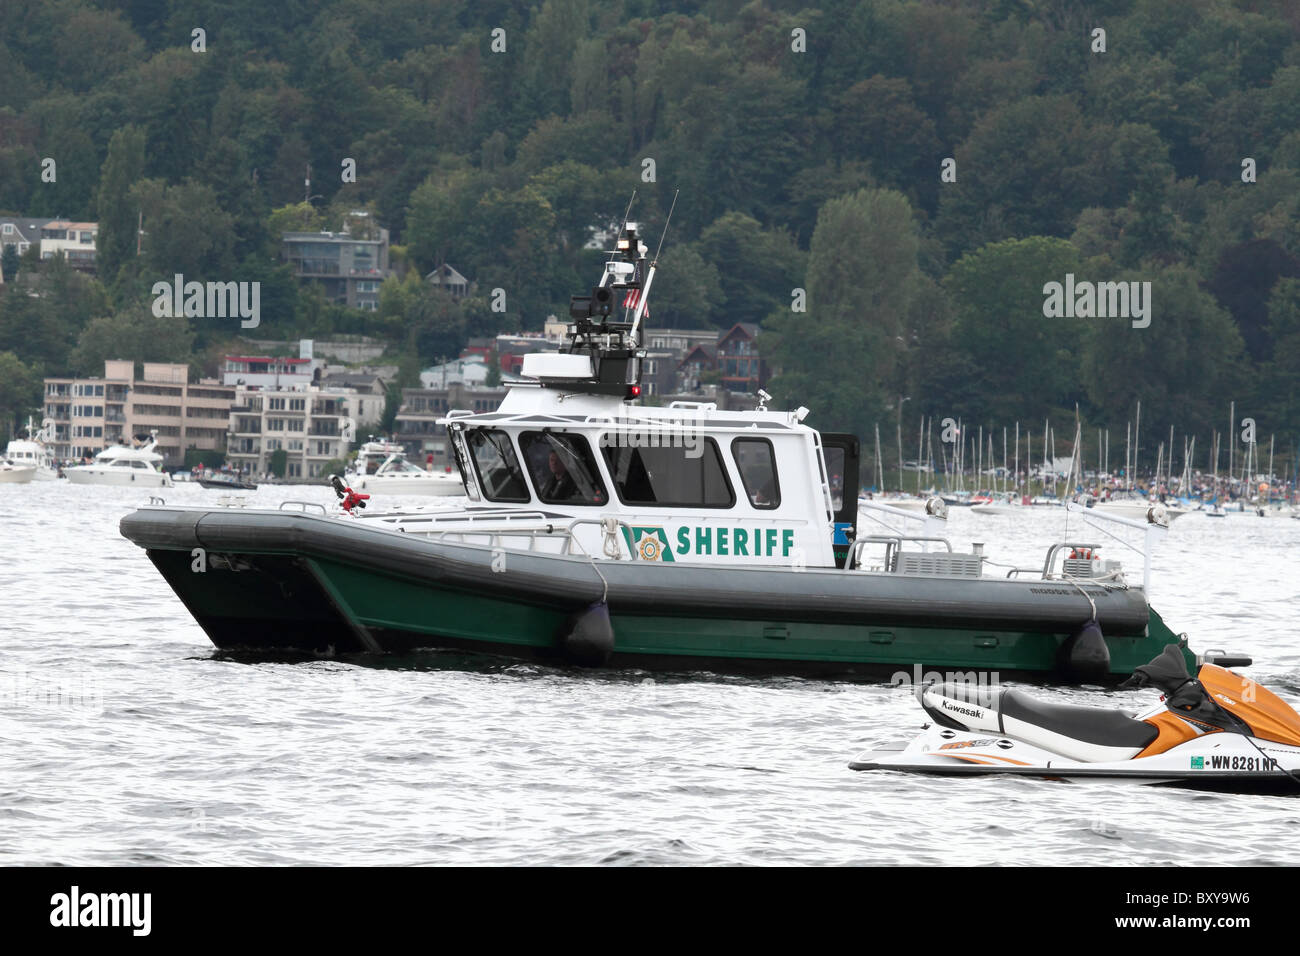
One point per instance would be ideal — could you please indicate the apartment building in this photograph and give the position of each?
(90, 414)
(312, 425)
(268, 371)
(417, 427)
(349, 269)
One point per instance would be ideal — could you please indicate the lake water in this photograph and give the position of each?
(125, 738)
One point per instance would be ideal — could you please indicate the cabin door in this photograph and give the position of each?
(841, 453)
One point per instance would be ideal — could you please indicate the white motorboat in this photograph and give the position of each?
(1003, 504)
(381, 467)
(121, 465)
(1136, 508)
(15, 473)
(32, 451)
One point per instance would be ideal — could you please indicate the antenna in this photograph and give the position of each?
(655, 260)
(644, 295)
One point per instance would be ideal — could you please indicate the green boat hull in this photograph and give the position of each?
(281, 601)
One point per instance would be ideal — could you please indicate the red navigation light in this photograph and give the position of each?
(634, 391)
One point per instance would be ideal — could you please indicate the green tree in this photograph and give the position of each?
(1182, 367)
(135, 333)
(20, 392)
(296, 217)
(1279, 382)
(279, 462)
(1024, 361)
(185, 230)
(118, 221)
(841, 356)
(10, 265)
(757, 268)
(44, 327)
(687, 292)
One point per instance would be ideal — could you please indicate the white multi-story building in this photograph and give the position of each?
(266, 371)
(309, 424)
(91, 414)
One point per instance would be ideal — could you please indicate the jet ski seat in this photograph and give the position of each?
(1092, 725)
(1091, 734)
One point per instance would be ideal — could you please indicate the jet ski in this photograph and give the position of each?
(1215, 731)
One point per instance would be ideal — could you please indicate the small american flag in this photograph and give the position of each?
(632, 298)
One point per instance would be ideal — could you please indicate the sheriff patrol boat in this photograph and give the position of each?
(604, 532)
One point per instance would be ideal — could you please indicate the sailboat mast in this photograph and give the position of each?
(1137, 436)
(1017, 484)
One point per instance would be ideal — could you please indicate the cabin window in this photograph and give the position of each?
(757, 465)
(563, 468)
(497, 465)
(835, 475)
(685, 475)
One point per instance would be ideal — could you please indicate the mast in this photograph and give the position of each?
(1137, 432)
(879, 469)
(929, 451)
(1271, 439)
(1232, 425)
(1017, 484)
(1128, 463)
(920, 454)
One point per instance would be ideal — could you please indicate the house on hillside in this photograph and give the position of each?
(349, 269)
(449, 280)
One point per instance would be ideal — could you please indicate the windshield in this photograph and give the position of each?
(497, 465)
(563, 468)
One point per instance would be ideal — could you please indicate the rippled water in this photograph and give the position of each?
(125, 738)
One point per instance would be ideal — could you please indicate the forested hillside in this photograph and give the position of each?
(808, 144)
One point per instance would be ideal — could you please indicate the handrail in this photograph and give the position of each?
(1152, 534)
(519, 516)
(1061, 546)
(893, 544)
(496, 535)
(305, 505)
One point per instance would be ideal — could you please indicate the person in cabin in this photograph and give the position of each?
(560, 486)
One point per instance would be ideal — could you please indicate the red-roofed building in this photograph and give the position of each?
(266, 371)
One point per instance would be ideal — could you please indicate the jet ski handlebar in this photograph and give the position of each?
(1168, 671)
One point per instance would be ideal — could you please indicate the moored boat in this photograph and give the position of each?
(16, 473)
(1136, 508)
(123, 465)
(381, 467)
(1002, 505)
(30, 451)
(225, 481)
